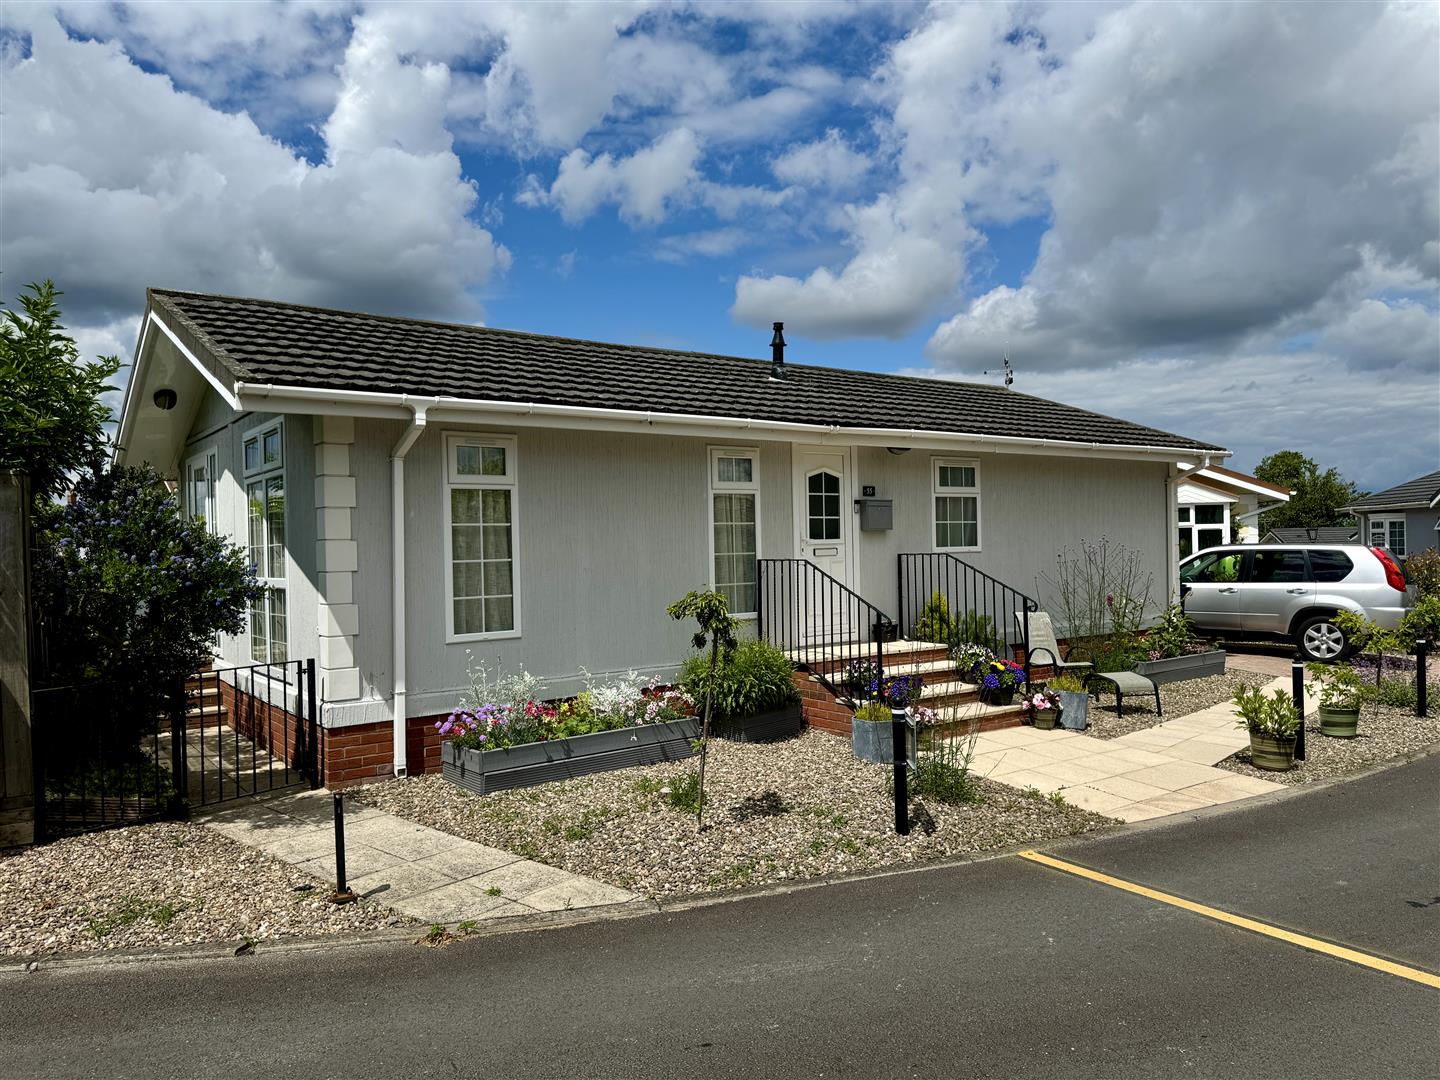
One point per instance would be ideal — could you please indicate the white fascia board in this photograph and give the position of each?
(317, 401)
(127, 416)
(1245, 485)
(220, 388)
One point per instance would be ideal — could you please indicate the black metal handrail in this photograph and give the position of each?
(820, 621)
(981, 608)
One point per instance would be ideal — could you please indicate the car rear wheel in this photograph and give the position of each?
(1320, 639)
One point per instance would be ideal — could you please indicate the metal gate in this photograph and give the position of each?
(226, 733)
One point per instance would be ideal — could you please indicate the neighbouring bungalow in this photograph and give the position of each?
(1405, 518)
(1221, 506)
(417, 496)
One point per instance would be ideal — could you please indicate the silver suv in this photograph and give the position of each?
(1292, 591)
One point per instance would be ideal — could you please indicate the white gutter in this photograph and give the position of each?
(364, 402)
(397, 579)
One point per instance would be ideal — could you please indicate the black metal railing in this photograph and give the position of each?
(109, 755)
(822, 623)
(980, 609)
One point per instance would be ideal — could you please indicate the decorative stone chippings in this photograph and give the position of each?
(1384, 734)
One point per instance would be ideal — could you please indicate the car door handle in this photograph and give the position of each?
(1229, 590)
(1298, 592)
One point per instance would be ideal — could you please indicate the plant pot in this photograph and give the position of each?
(762, 727)
(873, 740)
(1180, 668)
(1339, 723)
(1074, 710)
(1045, 719)
(1001, 695)
(1269, 752)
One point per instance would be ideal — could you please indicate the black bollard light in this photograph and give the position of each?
(1297, 691)
(1422, 704)
(340, 888)
(898, 724)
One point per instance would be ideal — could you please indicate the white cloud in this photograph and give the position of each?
(643, 185)
(706, 244)
(114, 180)
(825, 163)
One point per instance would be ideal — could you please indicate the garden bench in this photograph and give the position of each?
(1127, 682)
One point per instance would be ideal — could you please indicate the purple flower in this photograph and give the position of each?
(991, 681)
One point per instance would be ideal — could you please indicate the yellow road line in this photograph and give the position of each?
(1424, 978)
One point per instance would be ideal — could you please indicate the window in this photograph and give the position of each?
(1202, 526)
(1278, 566)
(735, 526)
(480, 536)
(1213, 567)
(1388, 533)
(957, 505)
(200, 476)
(264, 458)
(822, 499)
(1329, 566)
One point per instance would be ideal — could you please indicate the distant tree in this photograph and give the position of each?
(1317, 496)
(51, 415)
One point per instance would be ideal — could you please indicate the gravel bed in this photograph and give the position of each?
(170, 883)
(800, 808)
(1384, 733)
(1178, 698)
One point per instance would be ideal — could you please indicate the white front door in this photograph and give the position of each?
(823, 523)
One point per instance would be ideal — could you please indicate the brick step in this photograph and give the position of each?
(900, 656)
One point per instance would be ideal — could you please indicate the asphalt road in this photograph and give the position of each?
(994, 969)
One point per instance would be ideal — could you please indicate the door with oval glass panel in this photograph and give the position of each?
(822, 513)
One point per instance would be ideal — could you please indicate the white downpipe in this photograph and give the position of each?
(397, 581)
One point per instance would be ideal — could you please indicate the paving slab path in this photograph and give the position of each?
(1165, 769)
(418, 871)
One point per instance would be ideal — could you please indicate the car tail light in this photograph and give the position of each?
(1393, 577)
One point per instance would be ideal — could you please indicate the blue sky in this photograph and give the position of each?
(1217, 219)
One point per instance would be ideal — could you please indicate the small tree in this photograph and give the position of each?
(131, 594)
(51, 415)
(717, 629)
(1317, 496)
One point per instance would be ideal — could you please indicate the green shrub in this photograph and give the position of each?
(755, 679)
(874, 712)
(1422, 571)
(1275, 716)
(1397, 693)
(943, 772)
(1070, 684)
(934, 622)
(1421, 621)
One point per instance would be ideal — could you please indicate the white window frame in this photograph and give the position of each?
(262, 471)
(939, 492)
(1384, 523)
(210, 511)
(716, 486)
(510, 482)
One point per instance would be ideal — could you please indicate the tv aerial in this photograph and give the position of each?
(1006, 370)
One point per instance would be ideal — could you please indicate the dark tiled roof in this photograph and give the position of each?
(1413, 493)
(260, 341)
(1339, 534)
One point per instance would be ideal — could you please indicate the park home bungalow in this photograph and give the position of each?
(417, 495)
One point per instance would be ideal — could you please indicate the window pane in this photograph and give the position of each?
(497, 579)
(1209, 515)
(735, 470)
(254, 494)
(1329, 565)
(1278, 566)
(495, 507)
(252, 453)
(1377, 533)
(817, 506)
(257, 631)
(499, 615)
(465, 506)
(957, 476)
(1184, 513)
(469, 617)
(465, 542)
(1187, 544)
(480, 460)
(1397, 537)
(278, 634)
(271, 440)
(275, 522)
(467, 579)
(497, 542)
(956, 521)
(1208, 538)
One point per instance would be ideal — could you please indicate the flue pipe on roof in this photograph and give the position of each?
(777, 352)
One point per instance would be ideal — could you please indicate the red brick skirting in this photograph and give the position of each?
(270, 727)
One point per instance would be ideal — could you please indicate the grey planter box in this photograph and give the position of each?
(1179, 668)
(484, 771)
(1074, 710)
(763, 727)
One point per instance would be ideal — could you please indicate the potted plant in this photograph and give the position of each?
(752, 692)
(1342, 692)
(999, 680)
(1043, 708)
(857, 675)
(871, 735)
(1173, 652)
(968, 657)
(1074, 701)
(1272, 722)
